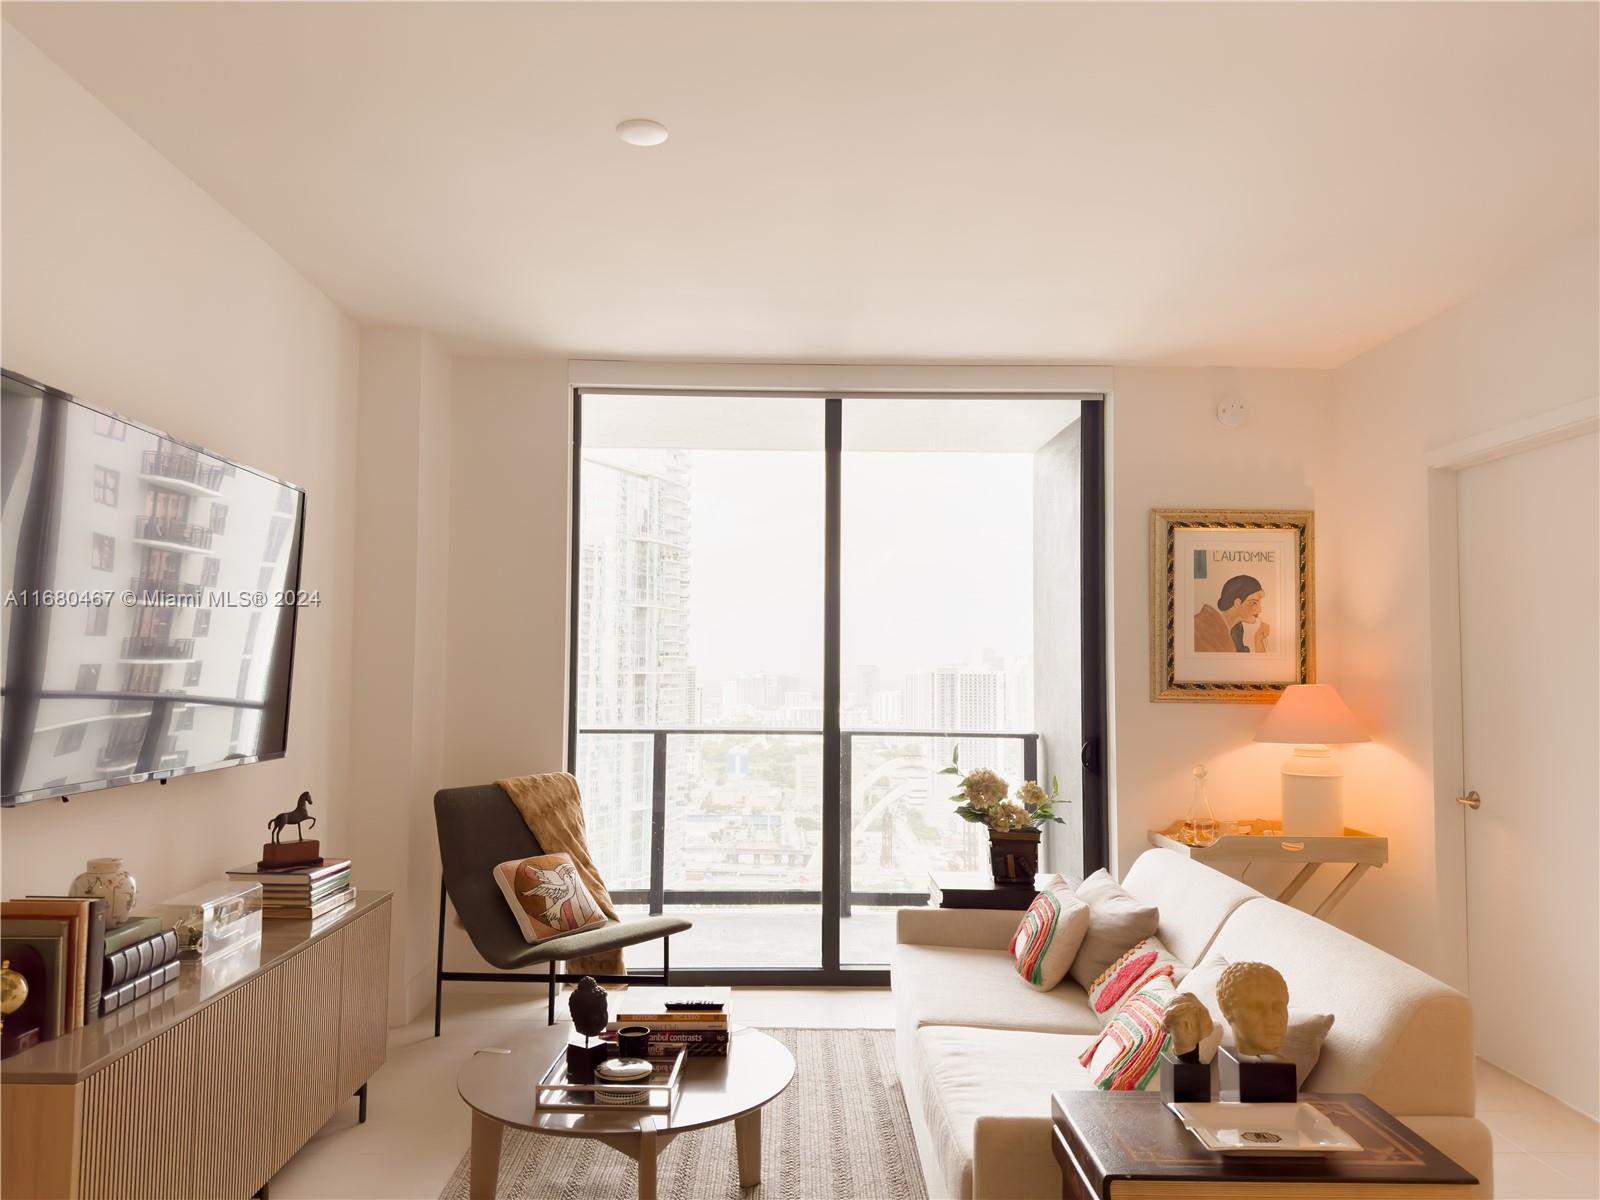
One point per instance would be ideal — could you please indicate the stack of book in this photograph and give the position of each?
(300, 893)
(697, 1022)
(140, 957)
(77, 969)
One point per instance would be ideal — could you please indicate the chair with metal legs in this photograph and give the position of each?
(479, 828)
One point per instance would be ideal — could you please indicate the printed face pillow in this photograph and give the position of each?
(1049, 936)
(547, 897)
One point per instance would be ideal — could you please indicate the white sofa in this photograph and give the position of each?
(980, 1052)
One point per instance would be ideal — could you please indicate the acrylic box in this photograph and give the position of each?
(214, 918)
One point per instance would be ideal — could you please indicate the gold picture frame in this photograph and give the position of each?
(1232, 604)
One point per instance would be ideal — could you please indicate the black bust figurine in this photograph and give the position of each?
(588, 1007)
(590, 1010)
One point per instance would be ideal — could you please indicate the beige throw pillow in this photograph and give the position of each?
(1302, 1044)
(1117, 920)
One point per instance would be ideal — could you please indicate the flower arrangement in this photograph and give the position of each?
(982, 797)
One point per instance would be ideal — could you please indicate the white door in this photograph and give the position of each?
(1530, 726)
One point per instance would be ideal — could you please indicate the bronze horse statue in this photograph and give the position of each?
(294, 817)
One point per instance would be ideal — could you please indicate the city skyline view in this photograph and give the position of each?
(700, 605)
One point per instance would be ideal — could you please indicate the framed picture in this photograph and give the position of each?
(1232, 597)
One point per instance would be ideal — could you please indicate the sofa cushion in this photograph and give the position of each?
(1116, 921)
(944, 985)
(1127, 1057)
(1000, 1076)
(1399, 1036)
(1139, 964)
(1048, 937)
(1193, 899)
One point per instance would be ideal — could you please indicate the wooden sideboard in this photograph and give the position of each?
(207, 1087)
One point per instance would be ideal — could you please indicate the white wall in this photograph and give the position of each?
(125, 284)
(510, 466)
(1167, 450)
(402, 559)
(1522, 348)
(505, 684)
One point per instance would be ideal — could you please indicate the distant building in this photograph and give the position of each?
(633, 644)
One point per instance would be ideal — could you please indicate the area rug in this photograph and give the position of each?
(840, 1131)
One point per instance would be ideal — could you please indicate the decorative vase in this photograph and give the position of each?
(108, 879)
(1014, 856)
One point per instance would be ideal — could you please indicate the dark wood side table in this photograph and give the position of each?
(1130, 1146)
(954, 889)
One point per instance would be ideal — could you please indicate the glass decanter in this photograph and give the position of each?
(1200, 824)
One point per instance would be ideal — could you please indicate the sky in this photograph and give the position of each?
(936, 560)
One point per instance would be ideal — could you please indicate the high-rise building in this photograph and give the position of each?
(633, 645)
(966, 699)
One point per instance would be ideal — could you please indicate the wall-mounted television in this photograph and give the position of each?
(151, 591)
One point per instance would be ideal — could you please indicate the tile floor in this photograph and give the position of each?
(1543, 1149)
(417, 1129)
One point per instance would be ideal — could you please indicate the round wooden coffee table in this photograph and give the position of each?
(498, 1085)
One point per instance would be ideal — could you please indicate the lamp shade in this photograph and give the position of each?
(1311, 714)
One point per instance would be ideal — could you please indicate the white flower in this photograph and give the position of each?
(983, 789)
(1007, 816)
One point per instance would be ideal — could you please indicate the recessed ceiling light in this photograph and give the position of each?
(637, 131)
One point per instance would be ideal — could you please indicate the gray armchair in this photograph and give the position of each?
(478, 828)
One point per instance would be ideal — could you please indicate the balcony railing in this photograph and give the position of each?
(658, 895)
(157, 647)
(162, 529)
(185, 468)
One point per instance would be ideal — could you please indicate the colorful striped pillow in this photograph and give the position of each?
(1138, 965)
(1126, 1055)
(1048, 938)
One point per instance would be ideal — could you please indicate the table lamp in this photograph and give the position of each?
(1312, 717)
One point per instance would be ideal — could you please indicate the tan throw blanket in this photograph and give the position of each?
(553, 810)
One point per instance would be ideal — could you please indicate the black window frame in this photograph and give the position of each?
(1095, 796)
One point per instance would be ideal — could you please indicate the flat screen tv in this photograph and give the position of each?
(151, 591)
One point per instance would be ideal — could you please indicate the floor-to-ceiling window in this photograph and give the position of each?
(790, 611)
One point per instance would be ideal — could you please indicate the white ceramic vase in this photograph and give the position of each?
(108, 879)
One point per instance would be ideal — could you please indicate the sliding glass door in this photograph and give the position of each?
(789, 612)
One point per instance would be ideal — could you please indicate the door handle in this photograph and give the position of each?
(1470, 800)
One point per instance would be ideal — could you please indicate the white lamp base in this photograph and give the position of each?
(1313, 793)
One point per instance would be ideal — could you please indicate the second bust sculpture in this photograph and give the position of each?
(1255, 1002)
(1195, 1036)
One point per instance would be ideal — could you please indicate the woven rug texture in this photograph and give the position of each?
(840, 1132)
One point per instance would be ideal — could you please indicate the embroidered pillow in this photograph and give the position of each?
(547, 897)
(1144, 961)
(1117, 920)
(1126, 1057)
(1049, 936)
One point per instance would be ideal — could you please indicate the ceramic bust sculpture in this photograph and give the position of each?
(1195, 1035)
(1255, 1002)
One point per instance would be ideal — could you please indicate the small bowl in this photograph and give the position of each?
(623, 1071)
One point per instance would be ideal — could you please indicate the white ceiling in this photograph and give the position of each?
(1255, 184)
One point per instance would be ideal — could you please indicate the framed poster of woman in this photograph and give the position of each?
(1232, 597)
